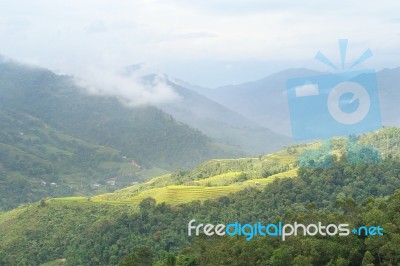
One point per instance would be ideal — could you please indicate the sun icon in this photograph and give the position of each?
(343, 52)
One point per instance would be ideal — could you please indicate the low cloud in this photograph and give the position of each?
(133, 88)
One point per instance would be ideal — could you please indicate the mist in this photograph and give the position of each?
(133, 88)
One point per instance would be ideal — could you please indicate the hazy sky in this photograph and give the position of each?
(207, 42)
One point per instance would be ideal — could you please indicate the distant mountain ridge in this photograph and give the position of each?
(218, 122)
(265, 101)
(221, 123)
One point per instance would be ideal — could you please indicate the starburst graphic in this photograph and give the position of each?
(343, 52)
(354, 231)
(335, 104)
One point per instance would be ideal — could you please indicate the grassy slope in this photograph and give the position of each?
(164, 188)
(218, 178)
(202, 183)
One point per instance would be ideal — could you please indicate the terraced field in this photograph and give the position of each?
(170, 194)
(219, 180)
(264, 181)
(209, 180)
(177, 194)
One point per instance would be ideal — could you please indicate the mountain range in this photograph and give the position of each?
(58, 140)
(221, 123)
(55, 132)
(265, 101)
(87, 180)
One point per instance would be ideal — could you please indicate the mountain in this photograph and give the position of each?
(120, 228)
(58, 140)
(265, 101)
(185, 84)
(220, 123)
(38, 161)
(389, 95)
(146, 134)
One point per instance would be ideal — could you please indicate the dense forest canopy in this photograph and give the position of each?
(102, 234)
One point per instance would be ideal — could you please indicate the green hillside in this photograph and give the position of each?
(148, 221)
(145, 134)
(221, 177)
(56, 140)
(38, 161)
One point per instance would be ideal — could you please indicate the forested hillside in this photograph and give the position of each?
(37, 161)
(178, 133)
(57, 140)
(86, 232)
(146, 134)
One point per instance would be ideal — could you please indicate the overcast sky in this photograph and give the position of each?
(207, 42)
